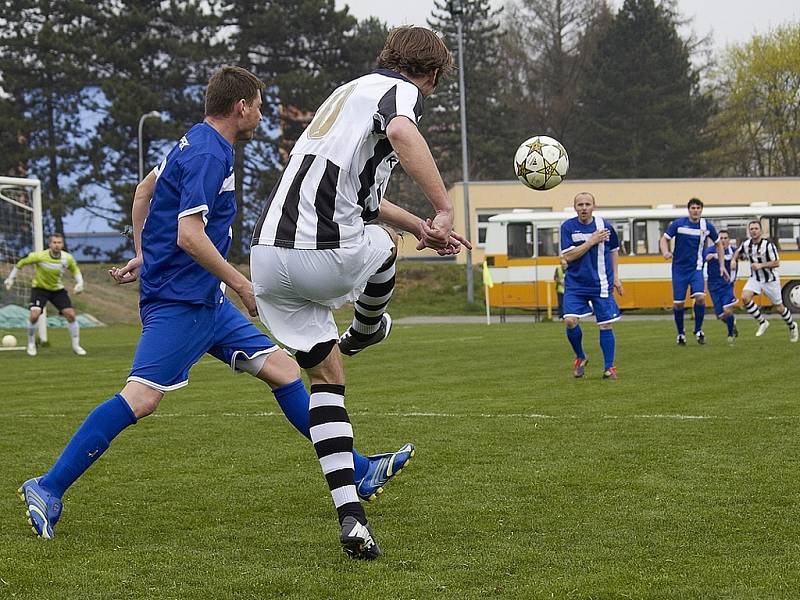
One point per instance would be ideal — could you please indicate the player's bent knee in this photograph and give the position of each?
(142, 399)
(605, 326)
(276, 369)
(571, 322)
(312, 358)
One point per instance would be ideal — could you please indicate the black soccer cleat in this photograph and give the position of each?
(352, 343)
(358, 541)
(701, 337)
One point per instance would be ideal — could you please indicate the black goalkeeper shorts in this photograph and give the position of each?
(59, 298)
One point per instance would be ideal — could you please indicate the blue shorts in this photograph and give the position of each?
(681, 281)
(580, 305)
(175, 336)
(722, 297)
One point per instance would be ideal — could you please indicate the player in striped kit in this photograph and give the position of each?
(317, 244)
(764, 278)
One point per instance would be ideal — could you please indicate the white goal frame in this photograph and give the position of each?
(38, 224)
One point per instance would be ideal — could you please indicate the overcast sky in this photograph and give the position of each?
(728, 21)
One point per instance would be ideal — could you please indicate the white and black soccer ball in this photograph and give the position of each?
(541, 162)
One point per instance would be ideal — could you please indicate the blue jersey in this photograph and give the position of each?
(714, 280)
(195, 177)
(592, 274)
(690, 239)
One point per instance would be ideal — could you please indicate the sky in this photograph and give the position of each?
(727, 21)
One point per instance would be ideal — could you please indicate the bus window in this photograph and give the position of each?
(786, 233)
(547, 241)
(624, 234)
(520, 240)
(646, 235)
(736, 228)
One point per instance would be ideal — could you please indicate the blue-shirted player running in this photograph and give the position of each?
(690, 234)
(590, 246)
(721, 290)
(181, 238)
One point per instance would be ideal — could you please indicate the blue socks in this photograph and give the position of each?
(93, 437)
(678, 314)
(575, 337)
(729, 322)
(699, 313)
(294, 401)
(607, 345)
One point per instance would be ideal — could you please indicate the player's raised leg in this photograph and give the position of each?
(371, 323)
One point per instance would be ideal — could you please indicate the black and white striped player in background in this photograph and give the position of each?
(764, 262)
(318, 244)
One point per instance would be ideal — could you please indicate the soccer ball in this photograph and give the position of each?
(9, 341)
(541, 162)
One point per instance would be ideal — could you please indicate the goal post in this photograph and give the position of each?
(21, 232)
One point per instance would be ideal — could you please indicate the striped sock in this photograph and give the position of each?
(754, 311)
(372, 302)
(786, 315)
(332, 436)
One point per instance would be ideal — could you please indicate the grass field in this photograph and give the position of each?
(680, 480)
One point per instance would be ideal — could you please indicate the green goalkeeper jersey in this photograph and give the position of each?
(49, 270)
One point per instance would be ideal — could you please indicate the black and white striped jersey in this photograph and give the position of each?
(339, 168)
(760, 252)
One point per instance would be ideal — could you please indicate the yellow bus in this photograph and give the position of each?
(522, 252)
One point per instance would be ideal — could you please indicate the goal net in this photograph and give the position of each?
(20, 233)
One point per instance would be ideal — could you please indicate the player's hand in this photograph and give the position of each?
(601, 235)
(435, 235)
(129, 273)
(248, 299)
(724, 274)
(78, 287)
(734, 265)
(755, 266)
(453, 246)
(9, 283)
(618, 287)
(667, 255)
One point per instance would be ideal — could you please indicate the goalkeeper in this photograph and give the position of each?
(47, 287)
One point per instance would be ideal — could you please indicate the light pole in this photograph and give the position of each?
(156, 115)
(457, 10)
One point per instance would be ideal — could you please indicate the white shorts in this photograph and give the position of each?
(296, 289)
(771, 289)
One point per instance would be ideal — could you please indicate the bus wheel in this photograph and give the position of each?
(791, 296)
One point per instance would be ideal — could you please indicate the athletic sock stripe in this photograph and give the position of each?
(385, 268)
(365, 304)
(336, 462)
(340, 478)
(382, 276)
(345, 496)
(366, 320)
(327, 414)
(333, 446)
(330, 388)
(377, 290)
(325, 399)
(327, 431)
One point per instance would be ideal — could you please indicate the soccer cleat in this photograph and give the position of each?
(681, 341)
(610, 373)
(793, 333)
(78, 350)
(579, 368)
(350, 344)
(31, 349)
(43, 509)
(358, 541)
(735, 329)
(701, 337)
(762, 327)
(381, 469)
(731, 339)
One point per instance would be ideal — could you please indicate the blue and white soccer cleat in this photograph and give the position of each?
(358, 541)
(43, 509)
(382, 467)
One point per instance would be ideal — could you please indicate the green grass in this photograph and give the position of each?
(680, 480)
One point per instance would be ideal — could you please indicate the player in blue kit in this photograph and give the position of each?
(590, 246)
(721, 291)
(181, 238)
(690, 234)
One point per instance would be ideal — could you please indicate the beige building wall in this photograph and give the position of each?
(492, 197)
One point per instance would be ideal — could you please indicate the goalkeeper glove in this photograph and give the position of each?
(9, 283)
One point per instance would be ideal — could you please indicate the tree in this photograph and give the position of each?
(43, 61)
(641, 110)
(759, 95)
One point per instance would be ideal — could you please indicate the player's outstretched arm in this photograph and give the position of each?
(415, 156)
(193, 240)
(139, 211)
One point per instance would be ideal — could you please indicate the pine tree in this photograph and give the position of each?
(641, 110)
